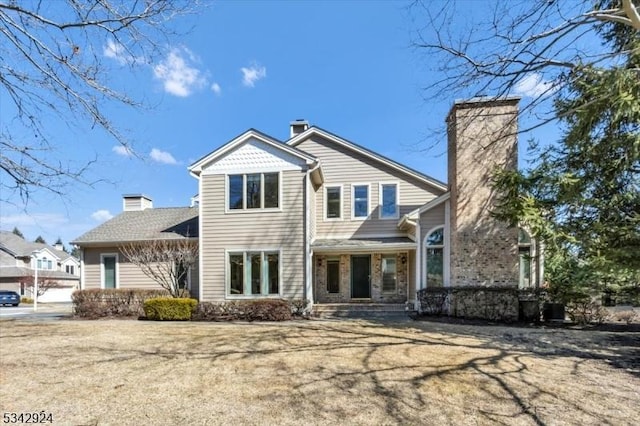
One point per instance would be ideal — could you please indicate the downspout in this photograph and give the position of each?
(416, 301)
(307, 239)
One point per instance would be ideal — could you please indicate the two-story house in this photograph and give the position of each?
(326, 219)
(19, 260)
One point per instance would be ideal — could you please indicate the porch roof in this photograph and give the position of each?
(363, 244)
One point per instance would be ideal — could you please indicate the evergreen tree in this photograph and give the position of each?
(40, 240)
(17, 232)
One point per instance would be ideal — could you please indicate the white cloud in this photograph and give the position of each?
(533, 85)
(162, 157)
(252, 74)
(117, 52)
(125, 151)
(215, 87)
(35, 219)
(177, 73)
(101, 215)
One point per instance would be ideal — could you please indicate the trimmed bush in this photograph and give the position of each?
(25, 299)
(114, 302)
(169, 308)
(245, 310)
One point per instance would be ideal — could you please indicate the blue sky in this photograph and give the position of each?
(347, 67)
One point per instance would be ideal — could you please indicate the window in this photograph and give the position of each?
(389, 271)
(434, 254)
(333, 276)
(45, 263)
(253, 191)
(182, 275)
(524, 258)
(334, 202)
(389, 201)
(254, 273)
(70, 269)
(109, 271)
(360, 198)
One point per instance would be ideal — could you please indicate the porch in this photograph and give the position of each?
(364, 272)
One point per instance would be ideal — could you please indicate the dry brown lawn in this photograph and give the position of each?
(317, 372)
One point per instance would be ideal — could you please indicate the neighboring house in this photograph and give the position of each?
(322, 218)
(19, 259)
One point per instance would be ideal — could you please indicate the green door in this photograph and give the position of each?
(361, 277)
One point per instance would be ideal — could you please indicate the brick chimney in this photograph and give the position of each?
(481, 137)
(136, 202)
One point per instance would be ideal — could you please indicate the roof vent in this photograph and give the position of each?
(298, 126)
(136, 202)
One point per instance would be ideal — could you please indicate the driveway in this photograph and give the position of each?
(45, 311)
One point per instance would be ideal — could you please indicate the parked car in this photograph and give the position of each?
(9, 298)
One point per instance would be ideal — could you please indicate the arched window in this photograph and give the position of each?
(524, 258)
(434, 258)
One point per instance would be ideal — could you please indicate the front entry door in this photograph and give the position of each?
(361, 277)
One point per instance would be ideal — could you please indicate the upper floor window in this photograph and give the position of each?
(45, 263)
(70, 269)
(360, 198)
(333, 202)
(254, 191)
(389, 201)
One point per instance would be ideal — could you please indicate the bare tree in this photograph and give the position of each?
(167, 262)
(527, 47)
(53, 65)
(44, 284)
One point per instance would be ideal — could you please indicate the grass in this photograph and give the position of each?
(317, 372)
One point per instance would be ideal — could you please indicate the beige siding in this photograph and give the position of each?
(342, 166)
(129, 275)
(430, 219)
(252, 230)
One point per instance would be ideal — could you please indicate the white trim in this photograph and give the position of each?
(200, 245)
(244, 208)
(82, 278)
(418, 267)
(381, 248)
(196, 168)
(380, 199)
(117, 271)
(247, 283)
(353, 201)
(424, 260)
(366, 153)
(307, 241)
(398, 234)
(447, 244)
(326, 203)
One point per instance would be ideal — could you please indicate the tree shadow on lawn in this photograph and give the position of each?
(414, 373)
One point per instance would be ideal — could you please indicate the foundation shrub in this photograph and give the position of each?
(114, 302)
(25, 299)
(169, 308)
(245, 310)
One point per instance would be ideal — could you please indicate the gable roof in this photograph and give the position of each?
(415, 214)
(314, 130)
(19, 247)
(144, 225)
(196, 168)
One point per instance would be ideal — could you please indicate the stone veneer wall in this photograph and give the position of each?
(482, 137)
(377, 295)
